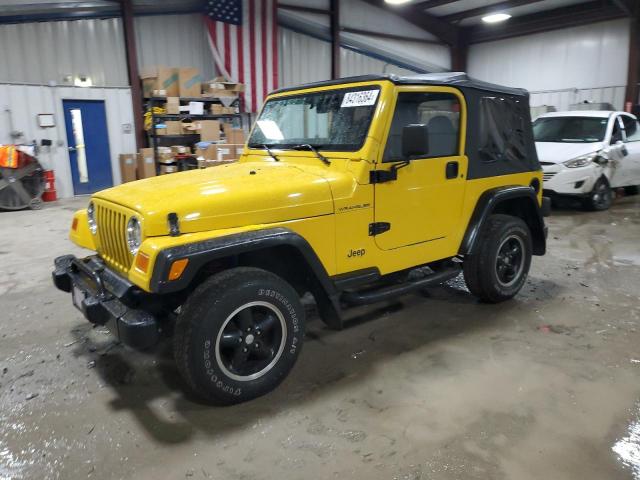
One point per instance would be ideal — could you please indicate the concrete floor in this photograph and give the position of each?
(544, 386)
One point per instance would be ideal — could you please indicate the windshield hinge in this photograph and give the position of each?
(378, 227)
(382, 176)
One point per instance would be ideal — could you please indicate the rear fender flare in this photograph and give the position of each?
(518, 201)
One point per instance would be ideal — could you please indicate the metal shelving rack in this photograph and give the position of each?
(190, 139)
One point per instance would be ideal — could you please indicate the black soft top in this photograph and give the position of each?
(456, 79)
(499, 133)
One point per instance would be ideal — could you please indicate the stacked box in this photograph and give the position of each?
(128, 164)
(159, 78)
(146, 163)
(190, 82)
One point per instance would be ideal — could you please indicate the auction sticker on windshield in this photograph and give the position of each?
(359, 99)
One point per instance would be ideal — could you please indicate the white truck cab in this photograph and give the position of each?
(586, 154)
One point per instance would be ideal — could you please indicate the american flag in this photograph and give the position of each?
(243, 36)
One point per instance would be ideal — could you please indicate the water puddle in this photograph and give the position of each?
(628, 448)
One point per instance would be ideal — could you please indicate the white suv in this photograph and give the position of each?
(587, 153)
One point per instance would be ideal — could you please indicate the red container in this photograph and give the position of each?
(50, 193)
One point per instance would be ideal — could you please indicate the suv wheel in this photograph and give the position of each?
(499, 268)
(600, 197)
(238, 335)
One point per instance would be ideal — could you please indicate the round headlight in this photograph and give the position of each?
(91, 218)
(134, 235)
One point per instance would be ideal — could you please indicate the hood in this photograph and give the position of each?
(226, 196)
(558, 152)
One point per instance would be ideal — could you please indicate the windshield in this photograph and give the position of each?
(570, 129)
(330, 120)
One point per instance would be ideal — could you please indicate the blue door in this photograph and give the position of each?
(88, 142)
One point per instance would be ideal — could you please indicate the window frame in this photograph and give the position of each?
(633, 119)
(422, 89)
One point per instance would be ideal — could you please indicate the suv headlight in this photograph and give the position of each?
(91, 218)
(134, 235)
(585, 160)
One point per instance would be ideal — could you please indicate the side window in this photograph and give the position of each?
(616, 133)
(440, 112)
(631, 128)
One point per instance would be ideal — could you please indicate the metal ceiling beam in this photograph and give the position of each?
(334, 23)
(426, 4)
(487, 10)
(565, 17)
(414, 14)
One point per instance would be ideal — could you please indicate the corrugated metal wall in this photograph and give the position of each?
(46, 52)
(174, 40)
(562, 99)
(568, 65)
(25, 102)
(306, 59)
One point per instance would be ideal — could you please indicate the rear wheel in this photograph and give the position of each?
(238, 335)
(600, 197)
(499, 268)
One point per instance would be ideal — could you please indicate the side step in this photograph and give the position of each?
(384, 293)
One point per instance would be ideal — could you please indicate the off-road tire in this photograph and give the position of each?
(199, 350)
(481, 272)
(600, 197)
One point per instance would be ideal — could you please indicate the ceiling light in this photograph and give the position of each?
(397, 2)
(496, 17)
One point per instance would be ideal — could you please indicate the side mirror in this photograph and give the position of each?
(415, 141)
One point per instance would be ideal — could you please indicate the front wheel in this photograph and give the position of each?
(499, 267)
(600, 197)
(238, 335)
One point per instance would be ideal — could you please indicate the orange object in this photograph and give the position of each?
(142, 262)
(74, 224)
(9, 156)
(177, 268)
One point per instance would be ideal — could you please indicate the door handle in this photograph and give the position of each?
(72, 149)
(451, 170)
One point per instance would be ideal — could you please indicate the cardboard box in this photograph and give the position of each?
(191, 127)
(216, 109)
(158, 77)
(180, 149)
(128, 165)
(190, 82)
(226, 152)
(209, 130)
(208, 153)
(166, 158)
(174, 127)
(161, 131)
(159, 93)
(164, 169)
(146, 163)
(234, 135)
(173, 105)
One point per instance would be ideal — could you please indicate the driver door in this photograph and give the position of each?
(424, 202)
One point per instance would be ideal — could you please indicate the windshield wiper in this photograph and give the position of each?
(307, 146)
(266, 147)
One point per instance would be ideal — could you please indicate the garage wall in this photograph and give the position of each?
(562, 66)
(25, 102)
(175, 40)
(46, 52)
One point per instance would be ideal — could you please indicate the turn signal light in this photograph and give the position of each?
(177, 268)
(74, 224)
(142, 262)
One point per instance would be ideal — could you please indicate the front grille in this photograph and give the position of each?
(548, 176)
(112, 237)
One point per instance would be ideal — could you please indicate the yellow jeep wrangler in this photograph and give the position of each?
(355, 191)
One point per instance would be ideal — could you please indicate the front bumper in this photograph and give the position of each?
(570, 181)
(105, 298)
